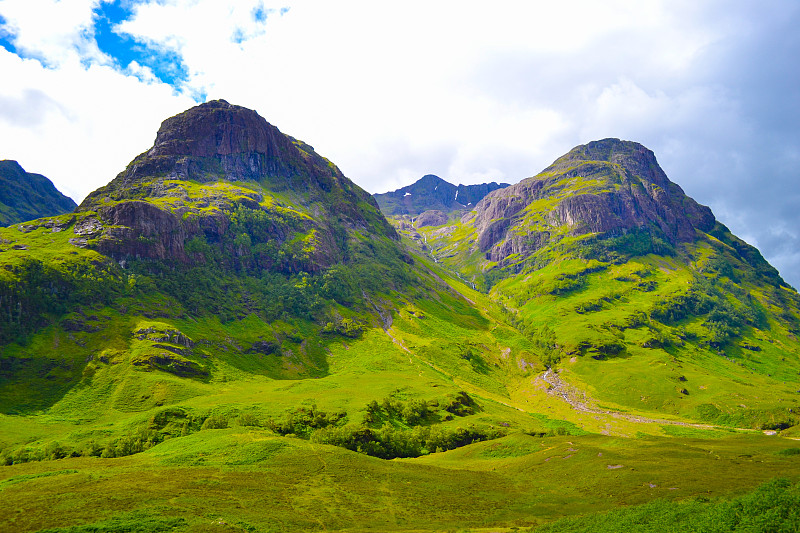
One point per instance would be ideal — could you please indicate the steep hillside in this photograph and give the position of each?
(432, 193)
(638, 295)
(25, 196)
(230, 275)
(225, 225)
(229, 336)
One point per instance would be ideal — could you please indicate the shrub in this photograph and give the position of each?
(215, 422)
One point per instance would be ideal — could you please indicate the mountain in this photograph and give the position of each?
(432, 193)
(231, 326)
(631, 287)
(25, 196)
(224, 218)
(218, 158)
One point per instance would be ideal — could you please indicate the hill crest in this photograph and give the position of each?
(604, 187)
(26, 196)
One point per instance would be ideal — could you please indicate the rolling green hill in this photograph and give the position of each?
(25, 196)
(229, 336)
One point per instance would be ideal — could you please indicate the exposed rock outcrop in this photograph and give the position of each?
(607, 186)
(431, 218)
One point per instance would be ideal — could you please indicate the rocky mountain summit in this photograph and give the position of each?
(25, 196)
(218, 140)
(218, 158)
(606, 187)
(432, 193)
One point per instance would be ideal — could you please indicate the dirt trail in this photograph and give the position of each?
(557, 387)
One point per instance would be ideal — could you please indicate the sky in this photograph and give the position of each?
(390, 91)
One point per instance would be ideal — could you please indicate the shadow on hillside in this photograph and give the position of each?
(33, 384)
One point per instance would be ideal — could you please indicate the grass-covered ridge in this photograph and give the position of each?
(229, 337)
(25, 196)
(668, 318)
(771, 507)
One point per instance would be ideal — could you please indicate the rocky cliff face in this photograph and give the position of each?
(607, 186)
(217, 159)
(432, 193)
(219, 140)
(25, 196)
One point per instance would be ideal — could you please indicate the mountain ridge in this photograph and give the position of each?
(26, 196)
(432, 193)
(231, 308)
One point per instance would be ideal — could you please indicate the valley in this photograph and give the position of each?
(231, 336)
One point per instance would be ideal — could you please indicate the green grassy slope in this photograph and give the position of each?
(244, 479)
(701, 327)
(200, 353)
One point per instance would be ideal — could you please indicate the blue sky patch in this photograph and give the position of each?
(167, 65)
(5, 37)
(260, 13)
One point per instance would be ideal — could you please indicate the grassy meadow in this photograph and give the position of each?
(243, 448)
(612, 384)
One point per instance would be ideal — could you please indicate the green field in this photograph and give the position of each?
(253, 347)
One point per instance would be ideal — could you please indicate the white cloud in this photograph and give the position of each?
(56, 32)
(470, 91)
(78, 125)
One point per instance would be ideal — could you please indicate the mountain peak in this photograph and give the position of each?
(218, 141)
(431, 192)
(214, 159)
(429, 179)
(214, 128)
(605, 187)
(635, 158)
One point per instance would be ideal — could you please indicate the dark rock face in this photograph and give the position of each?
(25, 196)
(625, 189)
(219, 139)
(432, 193)
(217, 128)
(147, 211)
(142, 230)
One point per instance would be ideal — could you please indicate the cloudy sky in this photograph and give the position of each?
(389, 91)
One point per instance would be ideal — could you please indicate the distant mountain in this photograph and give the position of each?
(433, 193)
(25, 196)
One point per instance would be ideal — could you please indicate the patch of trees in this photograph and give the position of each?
(389, 442)
(635, 242)
(390, 428)
(302, 422)
(163, 425)
(726, 313)
(33, 292)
